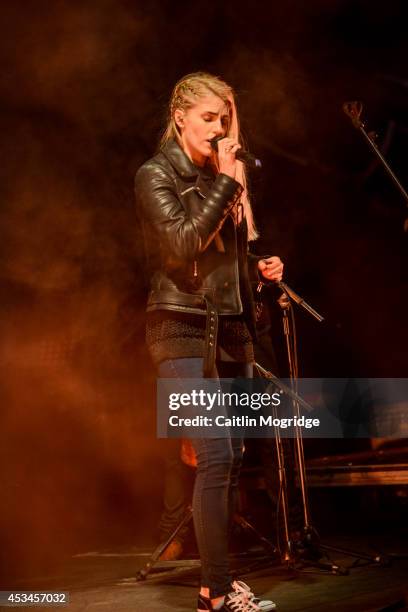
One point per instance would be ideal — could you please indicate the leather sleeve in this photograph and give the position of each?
(184, 236)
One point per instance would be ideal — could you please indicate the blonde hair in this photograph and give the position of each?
(185, 95)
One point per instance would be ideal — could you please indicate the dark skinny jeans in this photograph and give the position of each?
(216, 484)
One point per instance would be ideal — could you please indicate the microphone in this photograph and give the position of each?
(243, 156)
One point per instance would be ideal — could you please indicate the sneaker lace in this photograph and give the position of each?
(241, 602)
(240, 586)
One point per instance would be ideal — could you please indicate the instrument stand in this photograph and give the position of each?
(167, 567)
(308, 550)
(154, 559)
(354, 110)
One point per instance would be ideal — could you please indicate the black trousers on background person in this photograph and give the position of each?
(178, 490)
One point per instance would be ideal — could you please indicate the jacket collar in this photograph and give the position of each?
(179, 160)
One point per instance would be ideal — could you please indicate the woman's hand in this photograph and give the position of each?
(271, 268)
(227, 147)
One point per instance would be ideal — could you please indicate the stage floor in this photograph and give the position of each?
(101, 581)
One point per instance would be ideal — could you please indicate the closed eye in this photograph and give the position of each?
(213, 117)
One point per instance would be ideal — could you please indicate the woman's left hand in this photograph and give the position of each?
(271, 268)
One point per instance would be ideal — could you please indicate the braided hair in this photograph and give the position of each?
(186, 93)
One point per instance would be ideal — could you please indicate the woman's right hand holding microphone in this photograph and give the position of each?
(227, 147)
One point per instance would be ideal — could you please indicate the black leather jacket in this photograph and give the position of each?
(183, 208)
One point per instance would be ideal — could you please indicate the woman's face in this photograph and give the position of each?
(208, 119)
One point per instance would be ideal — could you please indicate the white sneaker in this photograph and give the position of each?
(233, 602)
(265, 605)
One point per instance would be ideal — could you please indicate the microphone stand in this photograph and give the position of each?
(285, 304)
(353, 110)
(289, 554)
(309, 550)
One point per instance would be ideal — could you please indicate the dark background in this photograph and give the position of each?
(84, 87)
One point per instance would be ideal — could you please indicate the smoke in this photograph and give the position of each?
(271, 102)
(71, 58)
(84, 91)
(77, 422)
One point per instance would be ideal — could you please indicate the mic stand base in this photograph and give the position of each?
(305, 554)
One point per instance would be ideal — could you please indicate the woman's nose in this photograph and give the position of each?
(219, 128)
